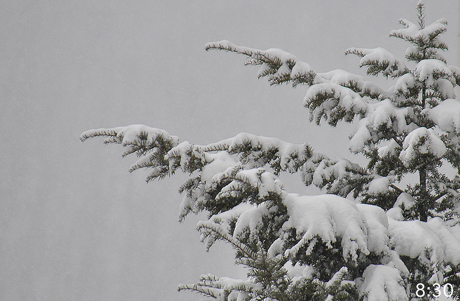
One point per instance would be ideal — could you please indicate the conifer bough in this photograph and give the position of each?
(371, 237)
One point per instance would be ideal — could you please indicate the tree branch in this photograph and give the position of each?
(396, 188)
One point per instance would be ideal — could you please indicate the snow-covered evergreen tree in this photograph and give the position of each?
(377, 234)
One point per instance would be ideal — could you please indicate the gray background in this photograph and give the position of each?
(74, 224)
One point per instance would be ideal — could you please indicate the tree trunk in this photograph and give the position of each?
(423, 201)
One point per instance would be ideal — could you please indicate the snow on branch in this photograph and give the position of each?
(212, 231)
(419, 142)
(278, 65)
(381, 118)
(382, 283)
(266, 271)
(379, 60)
(256, 151)
(221, 288)
(354, 82)
(151, 144)
(282, 67)
(329, 217)
(339, 177)
(436, 75)
(240, 169)
(432, 242)
(335, 95)
(426, 37)
(132, 134)
(323, 219)
(446, 115)
(425, 40)
(333, 103)
(338, 277)
(455, 73)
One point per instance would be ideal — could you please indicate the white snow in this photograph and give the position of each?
(362, 227)
(130, 134)
(263, 70)
(328, 217)
(412, 31)
(404, 83)
(446, 115)
(395, 213)
(421, 141)
(360, 137)
(233, 285)
(383, 283)
(381, 56)
(406, 200)
(328, 170)
(379, 185)
(445, 87)
(345, 78)
(436, 74)
(340, 96)
(181, 152)
(285, 151)
(393, 260)
(342, 77)
(383, 111)
(389, 149)
(378, 114)
(251, 218)
(230, 46)
(298, 271)
(337, 278)
(224, 218)
(431, 242)
(425, 70)
(301, 69)
(377, 228)
(221, 165)
(283, 56)
(284, 60)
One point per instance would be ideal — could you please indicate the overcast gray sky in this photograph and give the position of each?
(74, 224)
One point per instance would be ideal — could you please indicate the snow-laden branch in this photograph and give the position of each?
(136, 134)
(245, 166)
(221, 288)
(383, 283)
(281, 66)
(427, 37)
(432, 242)
(446, 115)
(278, 65)
(257, 151)
(379, 60)
(235, 181)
